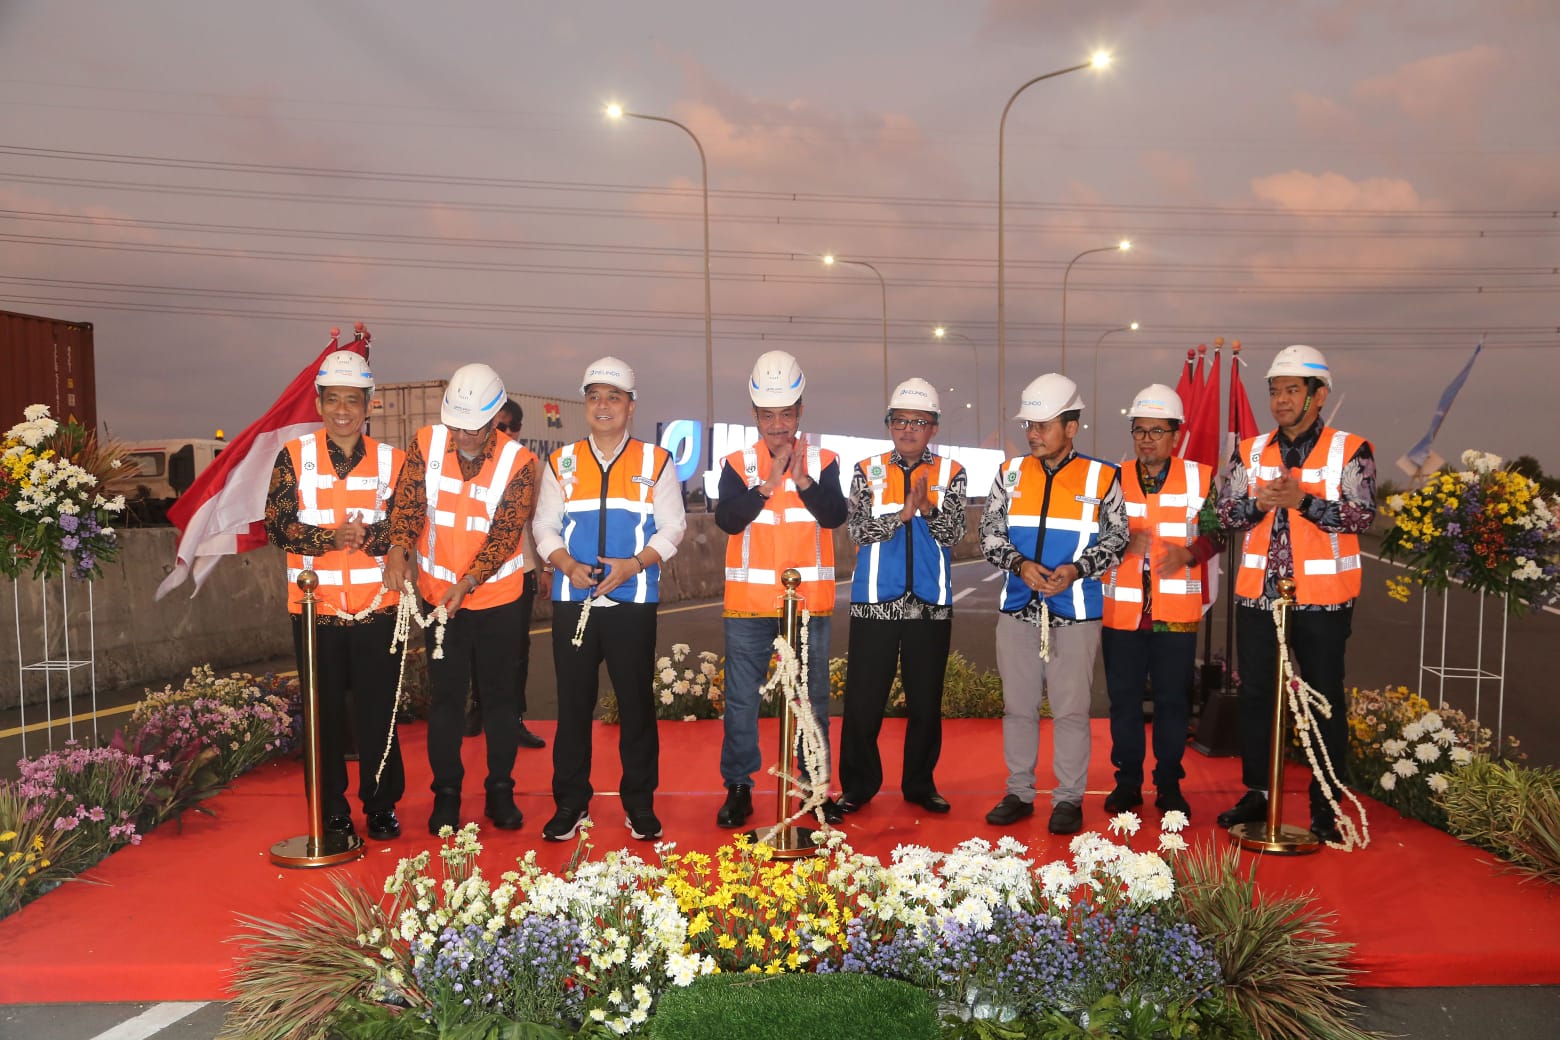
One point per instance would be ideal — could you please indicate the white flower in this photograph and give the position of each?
(681, 650)
(1393, 747)
(1125, 823)
(1174, 820)
(34, 412)
(1388, 781)
(1461, 756)
(1427, 751)
(1431, 721)
(1437, 782)
(668, 675)
(1171, 842)
(666, 697)
(1413, 731)
(1404, 767)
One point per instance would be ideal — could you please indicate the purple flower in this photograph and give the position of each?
(69, 522)
(68, 541)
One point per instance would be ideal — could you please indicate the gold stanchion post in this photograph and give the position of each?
(791, 841)
(1273, 836)
(318, 848)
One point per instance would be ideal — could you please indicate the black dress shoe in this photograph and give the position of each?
(832, 812)
(339, 825)
(850, 803)
(1170, 799)
(1124, 798)
(529, 739)
(1326, 829)
(1252, 808)
(383, 825)
(931, 802)
(738, 806)
(1066, 818)
(446, 811)
(1010, 810)
(501, 809)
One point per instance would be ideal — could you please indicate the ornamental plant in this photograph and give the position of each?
(99, 792)
(33, 854)
(1486, 527)
(52, 513)
(242, 719)
(686, 685)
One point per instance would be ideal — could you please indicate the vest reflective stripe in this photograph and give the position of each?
(1326, 563)
(349, 579)
(784, 535)
(610, 514)
(455, 533)
(1169, 516)
(1069, 525)
(880, 574)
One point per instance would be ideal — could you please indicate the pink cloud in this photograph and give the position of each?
(1439, 87)
(1299, 190)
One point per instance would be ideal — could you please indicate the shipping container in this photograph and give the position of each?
(399, 410)
(46, 361)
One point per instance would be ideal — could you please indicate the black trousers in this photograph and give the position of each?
(480, 646)
(918, 650)
(1318, 638)
(523, 643)
(354, 659)
(1134, 661)
(622, 636)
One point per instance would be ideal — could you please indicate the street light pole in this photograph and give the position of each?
(942, 332)
(830, 261)
(1098, 61)
(618, 112)
(1094, 433)
(1121, 247)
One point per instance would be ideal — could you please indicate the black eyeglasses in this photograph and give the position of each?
(1153, 433)
(906, 424)
(508, 429)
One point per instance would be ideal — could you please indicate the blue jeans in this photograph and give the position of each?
(749, 647)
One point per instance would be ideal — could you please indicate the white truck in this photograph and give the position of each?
(156, 473)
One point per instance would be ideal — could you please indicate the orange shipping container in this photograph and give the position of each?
(46, 361)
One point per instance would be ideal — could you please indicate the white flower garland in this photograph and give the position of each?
(790, 679)
(1045, 629)
(379, 597)
(406, 612)
(579, 626)
(1304, 704)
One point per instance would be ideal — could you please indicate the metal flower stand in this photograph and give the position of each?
(1478, 673)
(54, 650)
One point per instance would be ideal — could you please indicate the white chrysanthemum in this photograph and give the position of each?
(1388, 781)
(1437, 782)
(668, 675)
(1125, 823)
(1413, 731)
(1393, 747)
(1461, 756)
(1174, 820)
(1427, 751)
(1404, 767)
(681, 650)
(1171, 842)
(1431, 721)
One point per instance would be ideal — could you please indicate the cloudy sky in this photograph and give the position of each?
(215, 185)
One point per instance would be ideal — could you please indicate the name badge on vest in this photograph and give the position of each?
(1087, 500)
(646, 481)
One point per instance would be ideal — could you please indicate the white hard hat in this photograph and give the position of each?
(1157, 401)
(344, 368)
(611, 371)
(475, 394)
(1303, 361)
(915, 395)
(1047, 397)
(777, 380)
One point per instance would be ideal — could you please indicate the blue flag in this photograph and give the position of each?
(1421, 451)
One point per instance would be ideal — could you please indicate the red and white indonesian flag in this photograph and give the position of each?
(223, 512)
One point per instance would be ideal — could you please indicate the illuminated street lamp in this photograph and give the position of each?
(615, 111)
(829, 261)
(1119, 247)
(1098, 61)
(1094, 435)
(942, 332)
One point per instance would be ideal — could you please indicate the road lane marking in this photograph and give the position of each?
(151, 1021)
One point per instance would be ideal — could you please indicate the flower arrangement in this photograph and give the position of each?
(244, 720)
(33, 855)
(51, 510)
(596, 947)
(98, 791)
(1486, 527)
(688, 686)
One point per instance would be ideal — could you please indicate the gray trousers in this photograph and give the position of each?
(1065, 681)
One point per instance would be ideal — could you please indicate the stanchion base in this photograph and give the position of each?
(791, 843)
(1284, 841)
(302, 852)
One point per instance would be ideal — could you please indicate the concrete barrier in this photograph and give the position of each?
(240, 614)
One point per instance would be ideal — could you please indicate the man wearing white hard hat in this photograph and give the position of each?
(327, 509)
(1055, 522)
(610, 512)
(1303, 494)
(906, 514)
(1154, 600)
(779, 499)
(465, 496)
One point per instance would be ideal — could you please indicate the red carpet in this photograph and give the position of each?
(152, 922)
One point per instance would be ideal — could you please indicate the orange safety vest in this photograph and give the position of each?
(349, 578)
(460, 514)
(785, 534)
(1054, 518)
(1326, 563)
(1170, 517)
